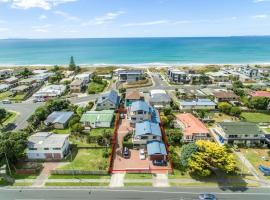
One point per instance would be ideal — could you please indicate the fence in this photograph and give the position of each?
(114, 142)
(78, 172)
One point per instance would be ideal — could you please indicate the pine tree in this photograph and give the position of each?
(72, 65)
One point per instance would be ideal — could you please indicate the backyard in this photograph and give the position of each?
(94, 87)
(256, 117)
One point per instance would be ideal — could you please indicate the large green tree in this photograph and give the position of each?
(3, 115)
(225, 107)
(72, 65)
(260, 103)
(186, 153)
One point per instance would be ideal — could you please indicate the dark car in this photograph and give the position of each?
(126, 152)
(160, 162)
(207, 196)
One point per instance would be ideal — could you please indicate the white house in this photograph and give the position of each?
(85, 77)
(50, 91)
(198, 104)
(47, 146)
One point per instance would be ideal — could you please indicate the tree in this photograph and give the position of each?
(174, 137)
(235, 111)
(260, 103)
(225, 107)
(75, 119)
(3, 115)
(209, 158)
(122, 90)
(77, 128)
(186, 153)
(164, 120)
(238, 84)
(56, 68)
(72, 65)
(13, 145)
(25, 73)
(239, 92)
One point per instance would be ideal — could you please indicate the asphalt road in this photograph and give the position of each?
(130, 194)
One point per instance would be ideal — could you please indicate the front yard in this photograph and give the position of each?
(256, 117)
(5, 95)
(88, 160)
(11, 116)
(94, 87)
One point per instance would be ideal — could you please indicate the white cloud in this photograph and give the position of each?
(43, 4)
(108, 17)
(42, 17)
(260, 1)
(147, 23)
(4, 29)
(42, 28)
(66, 15)
(262, 16)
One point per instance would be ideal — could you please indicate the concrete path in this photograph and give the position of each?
(160, 180)
(117, 180)
(45, 173)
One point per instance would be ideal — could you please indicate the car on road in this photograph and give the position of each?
(125, 152)
(6, 101)
(207, 196)
(38, 100)
(142, 154)
(160, 162)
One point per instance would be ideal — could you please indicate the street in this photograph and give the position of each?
(180, 193)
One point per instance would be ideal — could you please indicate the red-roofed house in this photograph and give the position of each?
(193, 128)
(260, 94)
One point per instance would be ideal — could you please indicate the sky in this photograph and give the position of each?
(133, 18)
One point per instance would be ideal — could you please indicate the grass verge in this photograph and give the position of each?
(76, 184)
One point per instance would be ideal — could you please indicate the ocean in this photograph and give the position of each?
(148, 51)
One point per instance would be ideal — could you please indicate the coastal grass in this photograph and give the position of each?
(138, 176)
(5, 95)
(77, 184)
(79, 176)
(256, 117)
(88, 159)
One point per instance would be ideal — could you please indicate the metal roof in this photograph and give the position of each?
(98, 116)
(240, 128)
(111, 96)
(46, 140)
(58, 117)
(156, 147)
(199, 102)
(147, 128)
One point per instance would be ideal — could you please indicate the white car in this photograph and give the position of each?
(142, 154)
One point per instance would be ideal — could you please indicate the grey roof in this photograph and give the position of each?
(199, 102)
(156, 98)
(11, 79)
(20, 88)
(134, 71)
(76, 82)
(111, 96)
(46, 140)
(4, 86)
(239, 128)
(58, 117)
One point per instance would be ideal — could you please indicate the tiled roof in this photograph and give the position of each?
(192, 124)
(260, 94)
(156, 147)
(147, 127)
(225, 94)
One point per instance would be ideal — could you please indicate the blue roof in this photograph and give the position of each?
(156, 147)
(111, 96)
(199, 102)
(147, 127)
(140, 105)
(58, 117)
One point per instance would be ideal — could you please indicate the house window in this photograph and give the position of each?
(140, 112)
(46, 148)
(32, 148)
(56, 148)
(144, 137)
(154, 137)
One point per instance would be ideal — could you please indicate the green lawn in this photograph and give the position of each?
(5, 95)
(138, 176)
(83, 176)
(11, 116)
(76, 184)
(88, 159)
(100, 131)
(22, 184)
(138, 184)
(3, 182)
(24, 176)
(61, 131)
(94, 88)
(18, 97)
(267, 130)
(256, 117)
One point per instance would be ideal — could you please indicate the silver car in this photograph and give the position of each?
(207, 196)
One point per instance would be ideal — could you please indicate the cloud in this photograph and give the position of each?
(262, 16)
(2, 29)
(260, 1)
(147, 23)
(66, 15)
(42, 28)
(43, 4)
(108, 17)
(42, 17)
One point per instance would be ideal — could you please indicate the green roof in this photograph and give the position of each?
(238, 128)
(94, 116)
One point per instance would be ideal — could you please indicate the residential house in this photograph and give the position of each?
(156, 150)
(43, 76)
(85, 77)
(50, 91)
(97, 119)
(117, 71)
(47, 146)
(193, 94)
(58, 119)
(226, 96)
(140, 111)
(130, 75)
(260, 94)
(76, 86)
(20, 89)
(28, 81)
(193, 128)
(219, 76)
(239, 133)
(159, 98)
(198, 104)
(68, 74)
(5, 73)
(108, 101)
(40, 71)
(12, 81)
(251, 72)
(145, 132)
(133, 96)
(4, 87)
(177, 76)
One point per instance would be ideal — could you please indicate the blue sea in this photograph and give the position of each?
(204, 50)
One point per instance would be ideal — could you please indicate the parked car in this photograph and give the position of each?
(122, 116)
(207, 196)
(142, 154)
(160, 162)
(125, 152)
(38, 100)
(6, 101)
